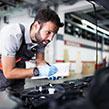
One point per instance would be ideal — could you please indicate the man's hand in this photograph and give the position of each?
(47, 70)
(52, 70)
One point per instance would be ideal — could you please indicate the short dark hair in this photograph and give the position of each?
(46, 14)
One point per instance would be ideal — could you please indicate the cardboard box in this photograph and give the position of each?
(88, 68)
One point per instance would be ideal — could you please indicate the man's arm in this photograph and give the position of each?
(11, 72)
(40, 59)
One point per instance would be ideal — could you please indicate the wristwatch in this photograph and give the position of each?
(36, 71)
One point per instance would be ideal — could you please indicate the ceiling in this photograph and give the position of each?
(7, 5)
(102, 14)
(35, 3)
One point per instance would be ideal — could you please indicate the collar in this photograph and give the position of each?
(27, 34)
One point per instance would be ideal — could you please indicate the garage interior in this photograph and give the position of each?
(80, 50)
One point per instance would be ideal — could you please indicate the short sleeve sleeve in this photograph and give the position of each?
(9, 46)
(8, 41)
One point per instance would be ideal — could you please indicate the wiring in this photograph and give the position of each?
(96, 33)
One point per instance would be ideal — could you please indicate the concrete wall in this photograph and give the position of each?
(76, 53)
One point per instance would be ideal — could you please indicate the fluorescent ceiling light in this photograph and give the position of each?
(87, 23)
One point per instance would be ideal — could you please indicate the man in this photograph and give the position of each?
(18, 44)
(104, 62)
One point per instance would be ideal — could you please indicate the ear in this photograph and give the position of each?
(36, 26)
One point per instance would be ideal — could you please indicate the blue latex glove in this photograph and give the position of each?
(47, 70)
(52, 70)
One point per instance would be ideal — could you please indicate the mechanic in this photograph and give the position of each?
(19, 43)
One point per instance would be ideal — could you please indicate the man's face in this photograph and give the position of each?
(46, 33)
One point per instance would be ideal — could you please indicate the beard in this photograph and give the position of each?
(40, 41)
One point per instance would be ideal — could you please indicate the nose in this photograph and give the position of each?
(50, 38)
